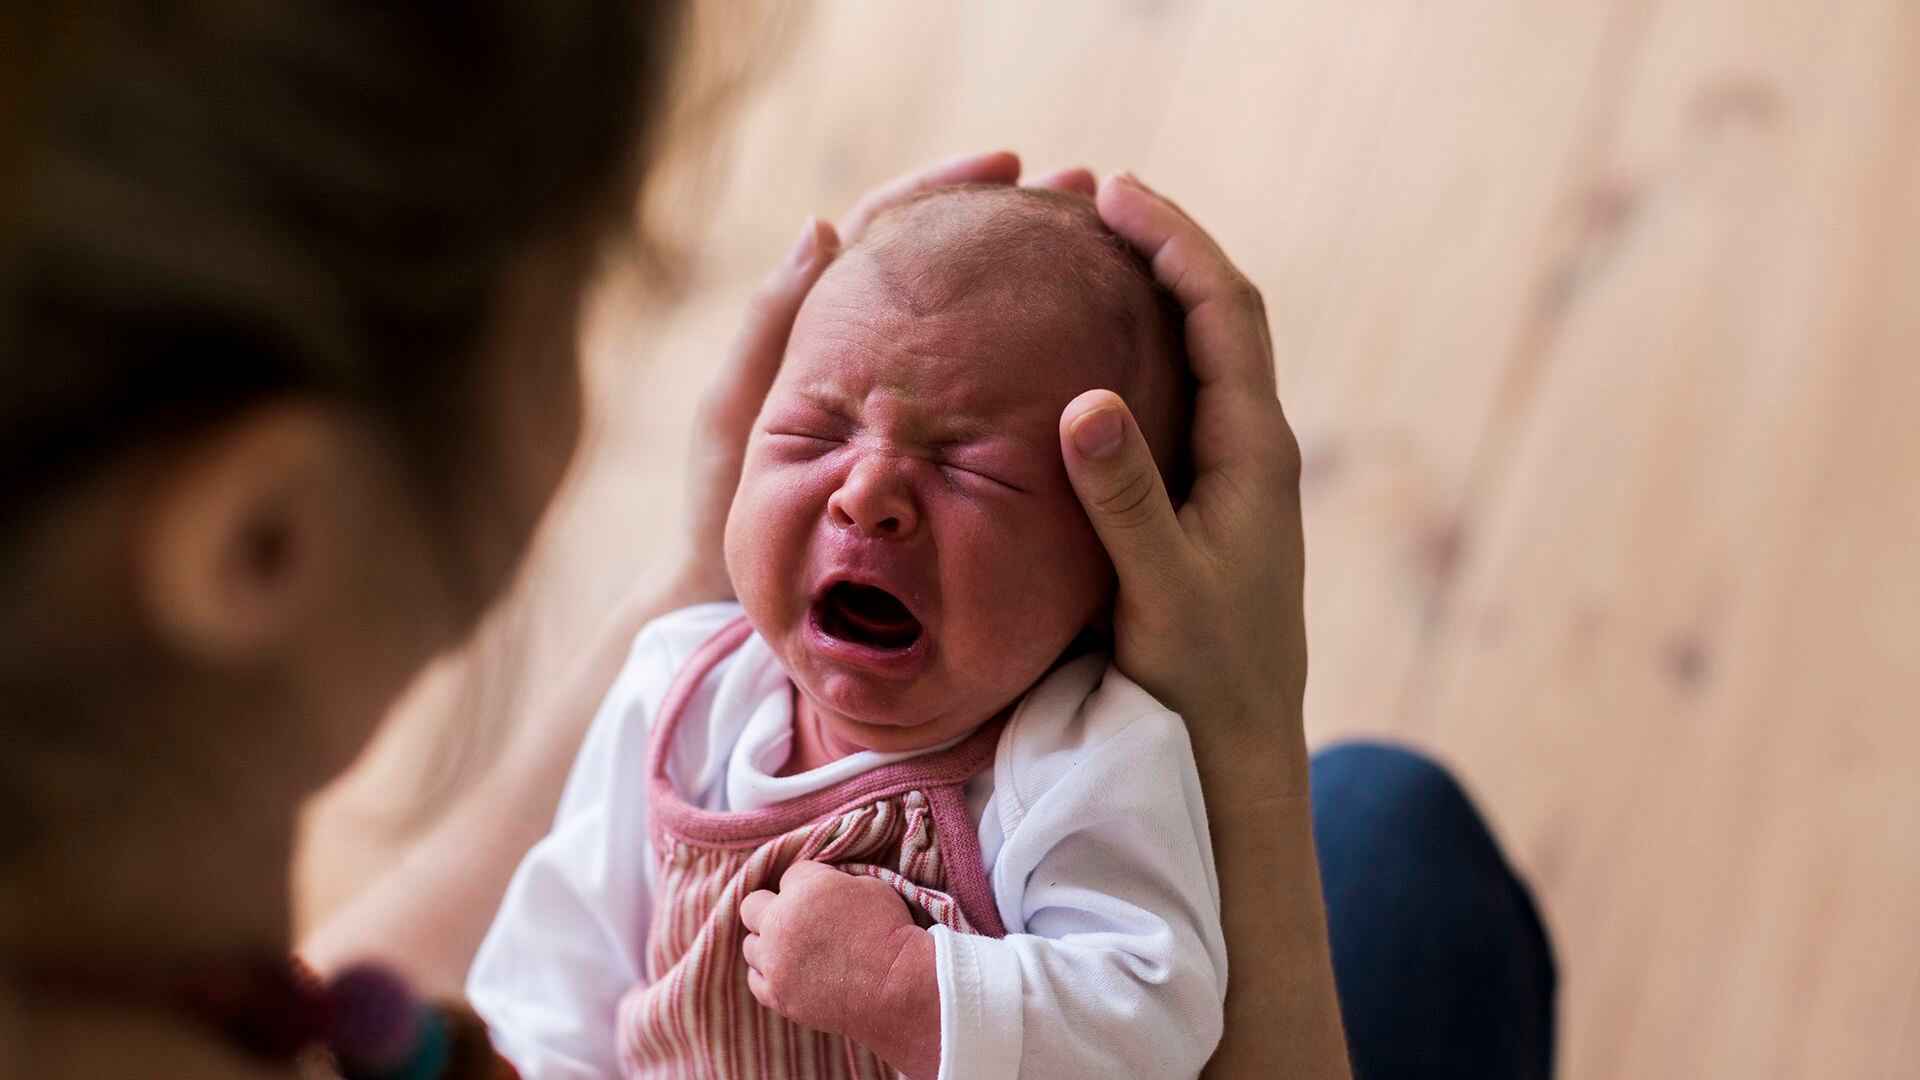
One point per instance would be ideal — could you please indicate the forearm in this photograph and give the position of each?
(426, 916)
(1283, 1016)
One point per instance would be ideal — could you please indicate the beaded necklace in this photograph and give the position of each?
(364, 1024)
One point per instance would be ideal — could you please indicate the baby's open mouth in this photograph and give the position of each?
(866, 615)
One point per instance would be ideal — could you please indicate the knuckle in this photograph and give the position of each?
(1244, 292)
(1286, 453)
(1128, 503)
(772, 964)
(769, 303)
(766, 919)
(773, 920)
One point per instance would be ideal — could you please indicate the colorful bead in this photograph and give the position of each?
(376, 1022)
(426, 1059)
(365, 1024)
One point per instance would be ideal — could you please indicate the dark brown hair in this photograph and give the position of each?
(212, 201)
(205, 204)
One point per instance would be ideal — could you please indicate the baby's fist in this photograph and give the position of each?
(840, 953)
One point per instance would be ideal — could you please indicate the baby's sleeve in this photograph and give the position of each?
(1115, 964)
(570, 936)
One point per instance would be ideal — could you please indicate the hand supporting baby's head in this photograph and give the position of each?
(904, 536)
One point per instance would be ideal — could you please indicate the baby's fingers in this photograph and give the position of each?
(753, 910)
(762, 991)
(806, 872)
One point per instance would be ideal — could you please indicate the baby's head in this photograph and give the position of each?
(904, 535)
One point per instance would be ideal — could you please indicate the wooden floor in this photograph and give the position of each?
(1600, 324)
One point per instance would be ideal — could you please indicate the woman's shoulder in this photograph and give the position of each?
(617, 742)
(659, 651)
(678, 633)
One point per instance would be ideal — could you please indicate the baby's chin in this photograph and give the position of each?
(891, 738)
(898, 726)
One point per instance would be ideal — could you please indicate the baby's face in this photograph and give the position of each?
(904, 535)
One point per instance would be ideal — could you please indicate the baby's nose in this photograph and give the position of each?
(874, 501)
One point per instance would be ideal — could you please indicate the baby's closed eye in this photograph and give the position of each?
(809, 436)
(802, 442)
(994, 466)
(965, 475)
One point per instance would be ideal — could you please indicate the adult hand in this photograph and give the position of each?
(1209, 614)
(1209, 618)
(733, 399)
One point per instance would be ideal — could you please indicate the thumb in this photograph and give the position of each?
(733, 398)
(1119, 486)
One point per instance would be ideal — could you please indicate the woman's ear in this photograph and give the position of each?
(242, 529)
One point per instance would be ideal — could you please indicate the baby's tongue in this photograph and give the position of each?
(876, 612)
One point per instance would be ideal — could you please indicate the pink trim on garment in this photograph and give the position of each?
(966, 868)
(942, 776)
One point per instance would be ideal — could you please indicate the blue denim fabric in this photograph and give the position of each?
(1443, 966)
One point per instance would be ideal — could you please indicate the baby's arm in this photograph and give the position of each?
(570, 935)
(1115, 965)
(839, 952)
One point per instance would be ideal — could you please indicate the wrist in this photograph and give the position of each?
(1250, 748)
(903, 1022)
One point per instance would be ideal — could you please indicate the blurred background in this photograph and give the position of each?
(1599, 321)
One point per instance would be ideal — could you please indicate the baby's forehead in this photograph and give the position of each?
(1036, 268)
(998, 329)
(1003, 245)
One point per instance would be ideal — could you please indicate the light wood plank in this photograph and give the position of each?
(1682, 662)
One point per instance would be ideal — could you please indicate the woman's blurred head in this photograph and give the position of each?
(287, 307)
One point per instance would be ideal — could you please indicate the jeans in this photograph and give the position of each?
(1443, 967)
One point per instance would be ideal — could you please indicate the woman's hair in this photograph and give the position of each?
(208, 202)
(205, 204)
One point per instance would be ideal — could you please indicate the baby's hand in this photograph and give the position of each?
(840, 953)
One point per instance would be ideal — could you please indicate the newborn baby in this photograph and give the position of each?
(895, 809)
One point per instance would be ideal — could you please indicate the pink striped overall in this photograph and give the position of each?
(906, 823)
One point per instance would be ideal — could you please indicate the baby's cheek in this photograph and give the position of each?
(1039, 581)
(766, 540)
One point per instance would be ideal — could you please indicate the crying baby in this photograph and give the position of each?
(895, 810)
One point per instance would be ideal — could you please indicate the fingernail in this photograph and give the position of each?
(1099, 433)
(1126, 177)
(804, 243)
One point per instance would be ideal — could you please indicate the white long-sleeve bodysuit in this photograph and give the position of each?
(1090, 825)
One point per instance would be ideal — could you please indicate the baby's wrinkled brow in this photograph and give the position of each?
(941, 431)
